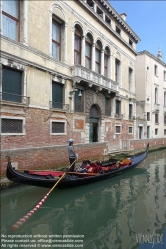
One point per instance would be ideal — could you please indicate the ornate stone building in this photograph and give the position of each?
(66, 72)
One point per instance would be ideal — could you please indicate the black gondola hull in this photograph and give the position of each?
(70, 180)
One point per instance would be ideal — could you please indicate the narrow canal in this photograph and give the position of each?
(124, 212)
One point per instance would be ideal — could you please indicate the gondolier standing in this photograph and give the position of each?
(72, 154)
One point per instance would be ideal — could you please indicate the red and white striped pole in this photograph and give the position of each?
(28, 215)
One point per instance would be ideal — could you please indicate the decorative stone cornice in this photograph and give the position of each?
(116, 16)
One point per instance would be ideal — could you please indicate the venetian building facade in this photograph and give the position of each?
(68, 72)
(151, 95)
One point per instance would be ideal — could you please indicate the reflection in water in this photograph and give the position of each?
(109, 214)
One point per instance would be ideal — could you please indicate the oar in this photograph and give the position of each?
(26, 217)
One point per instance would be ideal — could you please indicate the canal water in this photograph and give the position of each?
(124, 212)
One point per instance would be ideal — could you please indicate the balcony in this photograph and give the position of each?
(132, 117)
(156, 107)
(14, 99)
(81, 73)
(59, 106)
(118, 116)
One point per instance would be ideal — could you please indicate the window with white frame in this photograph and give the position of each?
(130, 129)
(11, 19)
(156, 118)
(12, 125)
(58, 127)
(164, 75)
(156, 131)
(118, 129)
(164, 132)
(118, 30)
(164, 118)
(56, 38)
(130, 78)
(130, 43)
(148, 116)
(165, 99)
(156, 95)
(155, 70)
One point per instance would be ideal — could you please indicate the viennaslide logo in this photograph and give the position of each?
(151, 238)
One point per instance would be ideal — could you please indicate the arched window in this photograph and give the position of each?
(77, 46)
(88, 51)
(98, 57)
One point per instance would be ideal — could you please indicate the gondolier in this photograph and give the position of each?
(72, 154)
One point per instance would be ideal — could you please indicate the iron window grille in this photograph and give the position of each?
(58, 127)
(11, 125)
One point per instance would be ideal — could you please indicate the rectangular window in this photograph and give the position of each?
(56, 39)
(12, 125)
(155, 70)
(156, 118)
(130, 43)
(118, 30)
(118, 107)
(58, 127)
(99, 12)
(164, 119)
(130, 78)
(156, 131)
(11, 19)
(164, 132)
(130, 111)
(148, 116)
(57, 95)
(117, 70)
(90, 3)
(117, 129)
(130, 130)
(11, 84)
(107, 20)
(164, 75)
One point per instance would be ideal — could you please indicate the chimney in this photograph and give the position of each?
(159, 55)
(123, 15)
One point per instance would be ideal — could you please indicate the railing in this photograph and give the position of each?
(94, 78)
(59, 106)
(118, 116)
(132, 117)
(157, 107)
(14, 98)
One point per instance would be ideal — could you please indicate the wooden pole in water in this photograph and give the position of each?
(28, 215)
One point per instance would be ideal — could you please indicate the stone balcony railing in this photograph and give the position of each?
(156, 107)
(81, 73)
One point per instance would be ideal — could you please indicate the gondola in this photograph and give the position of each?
(72, 179)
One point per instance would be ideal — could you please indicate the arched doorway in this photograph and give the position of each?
(94, 124)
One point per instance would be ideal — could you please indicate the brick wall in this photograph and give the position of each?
(51, 156)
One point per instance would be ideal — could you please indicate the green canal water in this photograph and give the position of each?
(124, 212)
